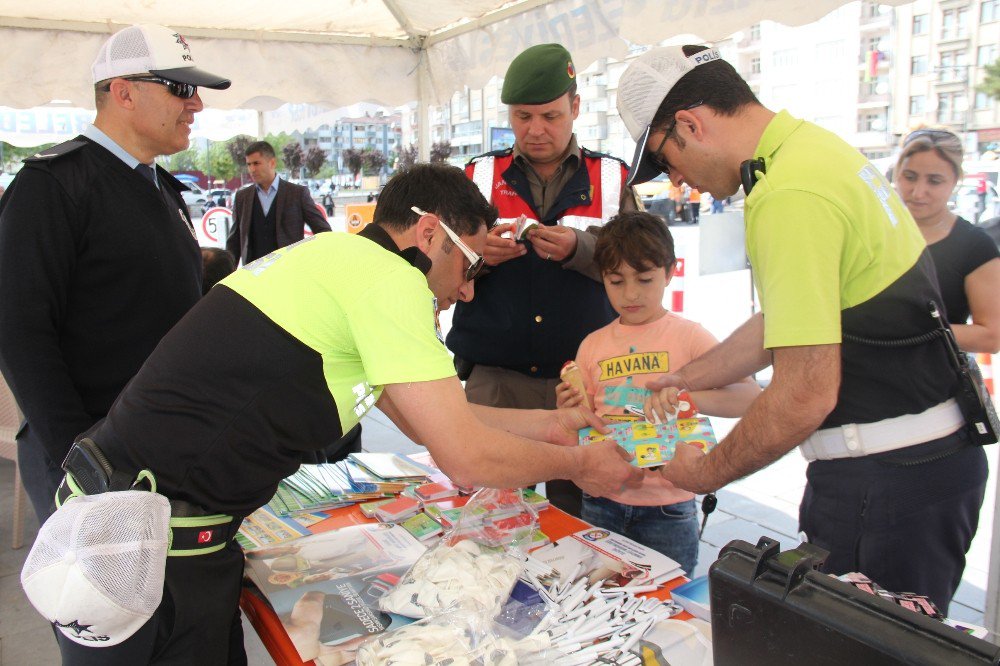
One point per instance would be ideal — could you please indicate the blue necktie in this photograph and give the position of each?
(147, 173)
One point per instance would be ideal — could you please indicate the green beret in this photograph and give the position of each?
(538, 75)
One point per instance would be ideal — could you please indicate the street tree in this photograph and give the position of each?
(354, 161)
(237, 147)
(294, 158)
(374, 160)
(440, 151)
(185, 160)
(991, 82)
(315, 159)
(407, 157)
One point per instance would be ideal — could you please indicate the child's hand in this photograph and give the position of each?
(661, 405)
(567, 396)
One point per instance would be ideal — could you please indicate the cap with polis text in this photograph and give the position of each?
(97, 568)
(641, 90)
(538, 75)
(152, 49)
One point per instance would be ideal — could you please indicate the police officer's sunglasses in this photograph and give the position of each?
(476, 262)
(656, 156)
(182, 90)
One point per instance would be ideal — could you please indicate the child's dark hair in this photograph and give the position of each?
(639, 239)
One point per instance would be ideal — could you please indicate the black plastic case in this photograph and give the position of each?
(774, 608)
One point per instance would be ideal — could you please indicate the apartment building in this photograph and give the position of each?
(866, 71)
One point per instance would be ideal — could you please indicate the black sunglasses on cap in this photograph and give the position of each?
(182, 90)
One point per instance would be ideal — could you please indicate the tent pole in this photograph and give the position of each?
(260, 126)
(992, 618)
(423, 110)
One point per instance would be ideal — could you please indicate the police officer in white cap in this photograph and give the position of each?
(98, 257)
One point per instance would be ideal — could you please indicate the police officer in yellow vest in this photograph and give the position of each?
(542, 294)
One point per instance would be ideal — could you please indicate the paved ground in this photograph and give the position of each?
(764, 504)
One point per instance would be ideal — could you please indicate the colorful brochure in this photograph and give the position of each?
(654, 444)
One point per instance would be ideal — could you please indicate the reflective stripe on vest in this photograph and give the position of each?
(486, 174)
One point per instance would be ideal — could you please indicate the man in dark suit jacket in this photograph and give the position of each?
(272, 213)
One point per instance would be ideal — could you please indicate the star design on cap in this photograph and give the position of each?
(182, 41)
(75, 626)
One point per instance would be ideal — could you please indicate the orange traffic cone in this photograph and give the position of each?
(985, 362)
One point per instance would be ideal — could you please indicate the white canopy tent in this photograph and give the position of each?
(339, 52)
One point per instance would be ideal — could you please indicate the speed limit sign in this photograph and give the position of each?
(214, 227)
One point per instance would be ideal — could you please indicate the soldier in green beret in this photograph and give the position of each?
(542, 293)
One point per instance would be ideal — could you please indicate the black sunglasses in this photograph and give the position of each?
(182, 90)
(931, 134)
(656, 156)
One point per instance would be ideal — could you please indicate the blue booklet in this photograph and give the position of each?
(694, 597)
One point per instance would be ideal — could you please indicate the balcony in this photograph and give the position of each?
(954, 35)
(873, 100)
(951, 75)
(879, 21)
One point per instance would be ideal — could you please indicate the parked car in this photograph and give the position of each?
(655, 198)
(222, 198)
(194, 196)
(965, 202)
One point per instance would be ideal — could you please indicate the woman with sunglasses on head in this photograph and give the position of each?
(966, 258)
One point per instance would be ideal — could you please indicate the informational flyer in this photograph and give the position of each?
(325, 587)
(605, 556)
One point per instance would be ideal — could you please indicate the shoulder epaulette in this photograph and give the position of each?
(587, 152)
(503, 152)
(59, 150)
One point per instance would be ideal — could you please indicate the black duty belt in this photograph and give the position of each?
(193, 531)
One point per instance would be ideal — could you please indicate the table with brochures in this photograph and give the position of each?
(554, 522)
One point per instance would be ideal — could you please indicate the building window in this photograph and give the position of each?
(870, 10)
(785, 58)
(918, 65)
(755, 65)
(755, 32)
(986, 55)
(917, 103)
(983, 101)
(989, 11)
(953, 66)
(955, 23)
(951, 107)
(920, 24)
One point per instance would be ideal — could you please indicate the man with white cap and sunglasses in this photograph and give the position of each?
(894, 486)
(98, 257)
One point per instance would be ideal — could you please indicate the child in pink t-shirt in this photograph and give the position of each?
(635, 254)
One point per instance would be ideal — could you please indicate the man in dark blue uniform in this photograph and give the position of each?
(542, 296)
(98, 257)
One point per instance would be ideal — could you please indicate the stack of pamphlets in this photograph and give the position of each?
(264, 527)
(397, 510)
(654, 444)
(606, 556)
(422, 526)
(317, 488)
(344, 571)
(535, 500)
(435, 490)
(391, 467)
